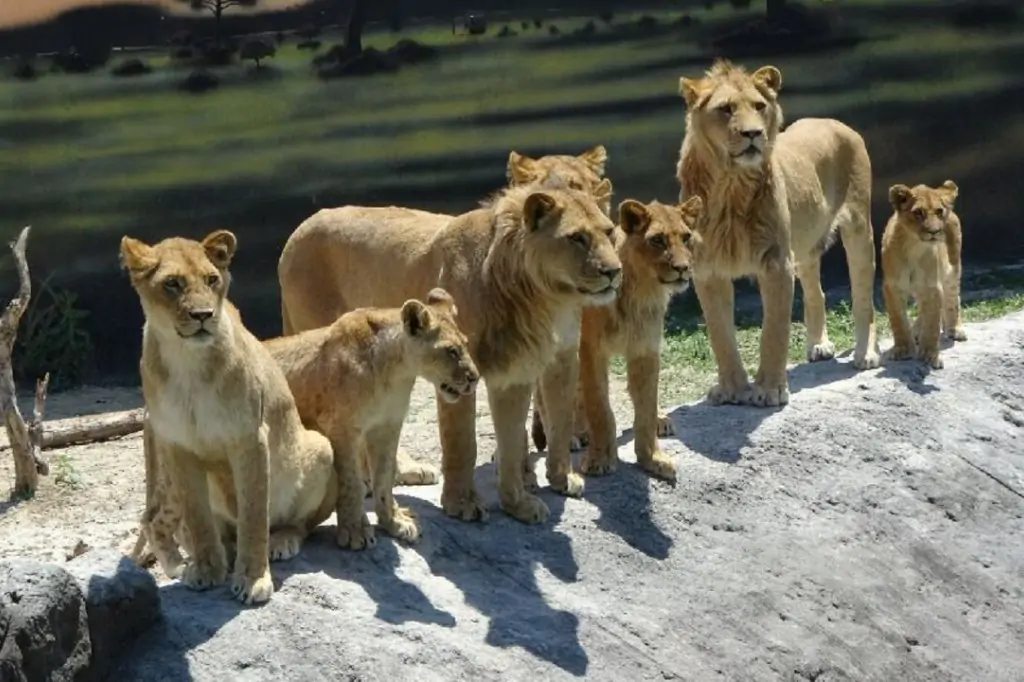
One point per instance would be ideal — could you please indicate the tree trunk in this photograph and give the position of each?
(354, 28)
(218, 10)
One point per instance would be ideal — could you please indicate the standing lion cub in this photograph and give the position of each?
(222, 422)
(921, 258)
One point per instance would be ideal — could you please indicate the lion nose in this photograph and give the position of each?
(683, 270)
(752, 133)
(612, 273)
(201, 315)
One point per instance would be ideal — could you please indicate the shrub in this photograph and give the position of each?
(132, 67)
(52, 338)
(199, 81)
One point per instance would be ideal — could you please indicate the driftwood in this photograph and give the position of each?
(94, 430)
(25, 439)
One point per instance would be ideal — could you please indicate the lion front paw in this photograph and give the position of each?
(660, 465)
(357, 534)
(769, 395)
(403, 525)
(825, 350)
(957, 334)
(930, 357)
(665, 427)
(203, 575)
(464, 504)
(729, 395)
(417, 473)
(527, 508)
(249, 590)
(285, 544)
(870, 360)
(570, 484)
(902, 351)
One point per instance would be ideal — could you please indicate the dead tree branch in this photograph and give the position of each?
(93, 430)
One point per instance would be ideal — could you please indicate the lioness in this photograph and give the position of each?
(222, 419)
(656, 244)
(344, 258)
(921, 258)
(773, 202)
(353, 380)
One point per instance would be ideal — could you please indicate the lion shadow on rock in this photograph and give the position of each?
(494, 564)
(718, 432)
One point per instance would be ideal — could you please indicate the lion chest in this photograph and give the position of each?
(926, 267)
(193, 415)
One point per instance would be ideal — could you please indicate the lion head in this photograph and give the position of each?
(436, 339)
(923, 210)
(583, 172)
(660, 241)
(564, 238)
(734, 114)
(182, 283)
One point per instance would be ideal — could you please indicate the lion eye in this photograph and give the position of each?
(760, 106)
(724, 109)
(687, 238)
(213, 280)
(940, 211)
(172, 284)
(657, 242)
(578, 238)
(919, 213)
(575, 185)
(453, 353)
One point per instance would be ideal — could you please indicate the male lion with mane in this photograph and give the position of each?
(222, 421)
(773, 203)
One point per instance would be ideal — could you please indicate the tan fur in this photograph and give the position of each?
(921, 258)
(657, 245)
(352, 381)
(356, 256)
(222, 422)
(770, 212)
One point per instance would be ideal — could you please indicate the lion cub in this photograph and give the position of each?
(353, 380)
(656, 245)
(921, 258)
(222, 423)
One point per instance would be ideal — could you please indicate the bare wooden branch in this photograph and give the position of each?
(93, 430)
(35, 429)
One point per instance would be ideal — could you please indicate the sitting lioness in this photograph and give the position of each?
(921, 258)
(773, 203)
(656, 244)
(222, 420)
(353, 380)
(340, 259)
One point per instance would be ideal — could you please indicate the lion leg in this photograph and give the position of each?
(952, 321)
(540, 438)
(381, 446)
(559, 412)
(207, 566)
(251, 582)
(642, 382)
(354, 530)
(818, 346)
(859, 245)
(930, 315)
(717, 301)
(408, 471)
(771, 385)
(509, 405)
(457, 426)
(902, 334)
(602, 456)
(580, 427)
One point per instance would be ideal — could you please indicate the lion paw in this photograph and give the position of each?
(285, 544)
(902, 351)
(957, 334)
(570, 484)
(250, 590)
(403, 525)
(528, 509)
(769, 396)
(465, 504)
(871, 360)
(665, 427)
(198, 575)
(722, 395)
(417, 473)
(598, 465)
(821, 351)
(931, 358)
(660, 465)
(356, 534)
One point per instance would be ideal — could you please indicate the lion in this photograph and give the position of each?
(656, 244)
(353, 380)
(921, 258)
(223, 421)
(773, 204)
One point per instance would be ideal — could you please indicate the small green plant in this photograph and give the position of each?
(64, 472)
(52, 338)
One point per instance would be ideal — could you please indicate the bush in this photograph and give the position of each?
(607, 16)
(183, 53)
(506, 32)
(216, 55)
(182, 38)
(25, 71)
(408, 51)
(538, 23)
(647, 23)
(132, 67)
(309, 31)
(199, 81)
(257, 50)
(366, 63)
(553, 30)
(686, 21)
(52, 338)
(279, 37)
(525, 25)
(587, 29)
(309, 45)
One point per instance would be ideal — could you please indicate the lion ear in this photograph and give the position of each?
(596, 159)
(951, 191)
(439, 297)
(220, 248)
(536, 208)
(520, 169)
(691, 209)
(416, 317)
(634, 218)
(768, 77)
(899, 196)
(137, 257)
(691, 89)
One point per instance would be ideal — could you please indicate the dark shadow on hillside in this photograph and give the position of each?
(718, 432)
(912, 373)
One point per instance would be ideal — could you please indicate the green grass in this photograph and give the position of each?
(688, 365)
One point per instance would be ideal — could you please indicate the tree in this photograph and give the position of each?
(256, 50)
(217, 8)
(354, 27)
